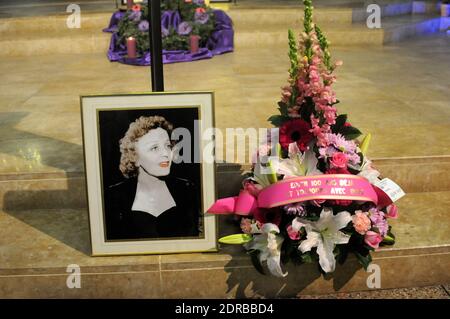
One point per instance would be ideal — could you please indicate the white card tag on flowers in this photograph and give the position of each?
(391, 189)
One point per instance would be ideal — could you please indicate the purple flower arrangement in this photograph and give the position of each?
(188, 18)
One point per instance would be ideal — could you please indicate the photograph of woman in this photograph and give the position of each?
(150, 202)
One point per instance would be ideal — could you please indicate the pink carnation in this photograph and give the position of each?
(361, 222)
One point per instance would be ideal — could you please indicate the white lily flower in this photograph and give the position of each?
(269, 245)
(368, 172)
(298, 163)
(264, 175)
(325, 235)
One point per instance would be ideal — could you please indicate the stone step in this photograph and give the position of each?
(393, 29)
(396, 8)
(59, 190)
(253, 28)
(258, 18)
(37, 246)
(52, 23)
(266, 18)
(342, 36)
(66, 41)
(401, 28)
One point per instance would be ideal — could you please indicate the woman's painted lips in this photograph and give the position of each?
(164, 164)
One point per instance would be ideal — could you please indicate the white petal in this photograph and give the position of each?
(273, 263)
(341, 220)
(339, 238)
(259, 242)
(326, 256)
(310, 163)
(293, 150)
(326, 219)
(312, 240)
(298, 223)
(287, 168)
(269, 227)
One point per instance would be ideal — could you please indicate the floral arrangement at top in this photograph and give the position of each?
(196, 18)
(317, 197)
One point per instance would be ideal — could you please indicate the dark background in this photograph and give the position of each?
(114, 124)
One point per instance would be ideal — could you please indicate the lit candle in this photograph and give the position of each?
(131, 48)
(193, 43)
(130, 4)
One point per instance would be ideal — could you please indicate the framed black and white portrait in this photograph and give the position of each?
(150, 172)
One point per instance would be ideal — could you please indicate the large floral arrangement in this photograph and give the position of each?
(317, 147)
(193, 17)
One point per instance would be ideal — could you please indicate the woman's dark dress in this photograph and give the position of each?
(179, 221)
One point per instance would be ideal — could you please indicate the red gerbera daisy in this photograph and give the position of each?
(136, 8)
(296, 130)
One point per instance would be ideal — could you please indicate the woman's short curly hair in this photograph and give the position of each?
(137, 129)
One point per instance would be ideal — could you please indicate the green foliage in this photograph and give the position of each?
(307, 109)
(340, 121)
(341, 253)
(308, 27)
(364, 259)
(350, 132)
(283, 108)
(278, 120)
(254, 256)
(175, 41)
(293, 55)
(324, 46)
(129, 28)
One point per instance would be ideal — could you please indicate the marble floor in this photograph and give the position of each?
(399, 93)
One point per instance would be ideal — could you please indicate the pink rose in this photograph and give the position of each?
(373, 239)
(392, 211)
(361, 222)
(294, 235)
(339, 160)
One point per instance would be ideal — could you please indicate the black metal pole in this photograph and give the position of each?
(154, 22)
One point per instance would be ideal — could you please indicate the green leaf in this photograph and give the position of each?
(340, 121)
(307, 258)
(283, 108)
(342, 254)
(350, 132)
(236, 239)
(364, 260)
(278, 120)
(254, 255)
(307, 109)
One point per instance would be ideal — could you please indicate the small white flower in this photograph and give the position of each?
(368, 172)
(298, 163)
(324, 234)
(269, 245)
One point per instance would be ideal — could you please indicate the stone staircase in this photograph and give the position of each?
(260, 26)
(44, 225)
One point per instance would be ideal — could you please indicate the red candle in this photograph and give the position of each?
(131, 47)
(130, 4)
(193, 43)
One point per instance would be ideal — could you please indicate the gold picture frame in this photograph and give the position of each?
(116, 227)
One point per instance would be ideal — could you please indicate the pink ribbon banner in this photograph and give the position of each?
(299, 189)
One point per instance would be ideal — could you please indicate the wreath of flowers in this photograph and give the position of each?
(196, 19)
(313, 141)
